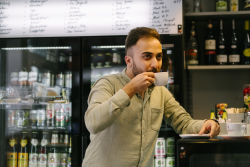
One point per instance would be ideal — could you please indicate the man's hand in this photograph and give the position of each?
(139, 83)
(210, 127)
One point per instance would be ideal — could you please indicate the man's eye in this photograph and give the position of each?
(159, 57)
(147, 56)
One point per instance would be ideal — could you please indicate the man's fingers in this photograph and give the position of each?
(202, 131)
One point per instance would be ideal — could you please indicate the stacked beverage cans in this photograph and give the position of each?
(164, 152)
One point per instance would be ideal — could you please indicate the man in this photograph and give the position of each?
(125, 110)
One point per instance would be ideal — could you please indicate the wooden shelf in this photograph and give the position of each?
(226, 13)
(218, 67)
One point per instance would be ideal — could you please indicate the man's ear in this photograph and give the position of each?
(129, 61)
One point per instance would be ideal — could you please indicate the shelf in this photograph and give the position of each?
(218, 67)
(22, 106)
(40, 128)
(226, 13)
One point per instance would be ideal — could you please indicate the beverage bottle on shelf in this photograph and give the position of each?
(50, 115)
(54, 154)
(221, 5)
(192, 48)
(12, 151)
(234, 56)
(64, 151)
(60, 79)
(224, 116)
(23, 155)
(246, 52)
(234, 5)
(62, 61)
(221, 58)
(247, 5)
(43, 158)
(212, 116)
(41, 117)
(14, 78)
(33, 154)
(210, 46)
(69, 154)
(23, 77)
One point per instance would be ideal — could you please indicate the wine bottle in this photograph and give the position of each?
(246, 52)
(192, 48)
(234, 56)
(247, 5)
(221, 58)
(210, 46)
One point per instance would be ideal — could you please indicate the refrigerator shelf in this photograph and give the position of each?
(21, 106)
(41, 128)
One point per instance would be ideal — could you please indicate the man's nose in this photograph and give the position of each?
(154, 63)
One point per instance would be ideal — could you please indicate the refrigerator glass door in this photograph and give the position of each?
(36, 91)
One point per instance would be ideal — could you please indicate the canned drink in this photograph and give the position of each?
(160, 147)
(50, 115)
(14, 78)
(46, 79)
(63, 161)
(66, 139)
(170, 146)
(67, 113)
(33, 118)
(32, 78)
(170, 161)
(61, 138)
(60, 79)
(11, 118)
(68, 80)
(41, 118)
(54, 137)
(60, 114)
(20, 118)
(159, 161)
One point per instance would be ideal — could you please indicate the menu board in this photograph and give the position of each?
(53, 18)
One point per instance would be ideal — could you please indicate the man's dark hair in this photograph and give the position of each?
(138, 33)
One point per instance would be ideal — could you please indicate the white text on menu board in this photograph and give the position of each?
(160, 16)
(4, 29)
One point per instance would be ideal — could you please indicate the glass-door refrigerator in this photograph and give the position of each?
(40, 102)
(105, 55)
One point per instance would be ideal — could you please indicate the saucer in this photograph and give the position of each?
(231, 137)
(194, 136)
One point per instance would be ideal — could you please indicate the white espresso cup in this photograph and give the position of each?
(236, 129)
(161, 78)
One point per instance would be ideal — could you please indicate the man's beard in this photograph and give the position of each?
(137, 71)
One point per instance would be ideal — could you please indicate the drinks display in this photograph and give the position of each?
(246, 51)
(221, 58)
(192, 48)
(234, 56)
(210, 46)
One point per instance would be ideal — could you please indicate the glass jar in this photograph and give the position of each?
(246, 94)
(197, 6)
(221, 5)
(247, 121)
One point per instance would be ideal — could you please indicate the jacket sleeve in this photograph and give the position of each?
(179, 119)
(104, 105)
